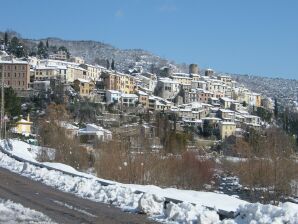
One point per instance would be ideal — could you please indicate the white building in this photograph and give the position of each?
(167, 88)
(129, 100)
(113, 96)
(93, 132)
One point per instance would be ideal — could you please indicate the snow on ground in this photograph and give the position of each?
(30, 153)
(11, 213)
(266, 214)
(152, 201)
(209, 199)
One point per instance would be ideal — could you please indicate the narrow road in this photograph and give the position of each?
(59, 206)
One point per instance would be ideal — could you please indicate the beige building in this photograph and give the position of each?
(120, 82)
(227, 129)
(77, 60)
(83, 87)
(226, 79)
(60, 55)
(182, 78)
(143, 99)
(93, 72)
(16, 74)
(42, 72)
(74, 73)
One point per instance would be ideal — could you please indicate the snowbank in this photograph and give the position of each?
(153, 200)
(266, 214)
(207, 199)
(11, 213)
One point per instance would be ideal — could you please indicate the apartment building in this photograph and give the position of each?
(16, 74)
(77, 60)
(74, 72)
(44, 73)
(226, 79)
(147, 81)
(227, 129)
(60, 55)
(143, 99)
(159, 104)
(93, 72)
(83, 87)
(129, 100)
(182, 78)
(113, 96)
(167, 88)
(120, 82)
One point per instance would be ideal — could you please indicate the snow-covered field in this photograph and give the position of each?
(152, 201)
(11, 213)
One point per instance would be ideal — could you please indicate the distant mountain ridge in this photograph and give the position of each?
(125, 59)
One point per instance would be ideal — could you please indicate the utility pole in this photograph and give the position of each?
(2, 104)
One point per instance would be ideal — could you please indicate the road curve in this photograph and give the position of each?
(61, 207)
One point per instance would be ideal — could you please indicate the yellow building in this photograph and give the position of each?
(45, 73)
(227, 129)
(74, 73)
(83, 87)
(119, 82)
(181, 78)
(24, 126)
(93, 72)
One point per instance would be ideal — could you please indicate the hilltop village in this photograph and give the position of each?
(212, 104)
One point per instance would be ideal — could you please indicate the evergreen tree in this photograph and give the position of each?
(275, 108)
(108, 64)
(207, 128)
(42, 51)
(12, 102)
(47, 44)
(6, 38)
(113, 64)
(63, 48)
(16, 48)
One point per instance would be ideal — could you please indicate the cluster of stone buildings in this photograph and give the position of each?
(194, 97)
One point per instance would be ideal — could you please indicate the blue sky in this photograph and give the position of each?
(249, 37)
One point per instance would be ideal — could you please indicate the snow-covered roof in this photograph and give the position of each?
(226, 111)
(142, 93)
(13, 61)
(23, 121)
(128, 95)
(227, 99)
(228, 123)
(83, 80)
(113, 91)
(167, 80)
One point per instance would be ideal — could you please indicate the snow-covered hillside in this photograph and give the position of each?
(124, 58)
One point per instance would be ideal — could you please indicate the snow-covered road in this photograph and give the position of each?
(59, 206)
(11, 213)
